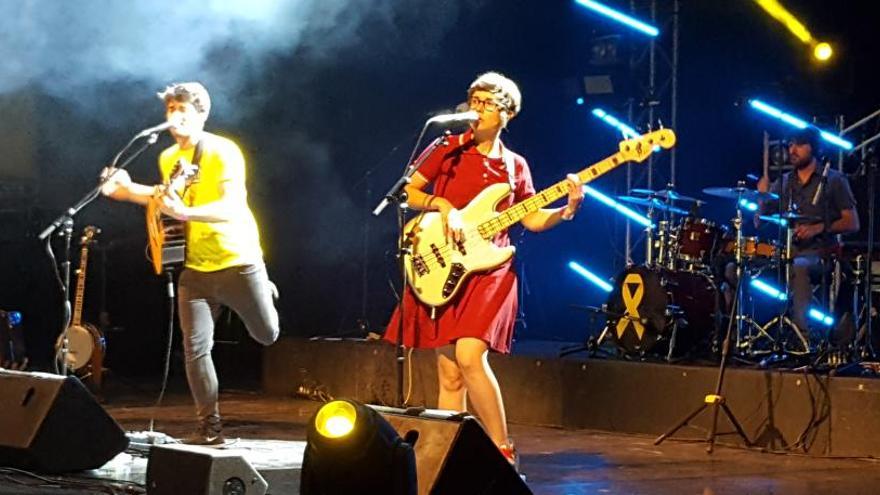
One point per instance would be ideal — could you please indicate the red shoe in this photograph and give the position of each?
(509, 452)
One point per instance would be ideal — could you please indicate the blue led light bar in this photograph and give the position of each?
(768, 289)
(627, 131)
(628, 212)
(619, 17)
(777, 294)
(592, 277)
(748, 205)
(799, 123)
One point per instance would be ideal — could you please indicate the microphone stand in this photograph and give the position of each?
(397, 195)
(65, 220)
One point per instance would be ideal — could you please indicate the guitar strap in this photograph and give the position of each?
(197, 159)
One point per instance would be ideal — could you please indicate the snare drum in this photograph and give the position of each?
(698, 238)
(648, 304)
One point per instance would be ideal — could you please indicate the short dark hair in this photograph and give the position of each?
(188, 92)
(809, 135)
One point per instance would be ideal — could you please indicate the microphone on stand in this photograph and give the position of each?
(822, 182)
(164, 126)
(454, 119)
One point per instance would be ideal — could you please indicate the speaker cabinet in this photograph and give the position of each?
(178, 469)
(53, 424)
(454, 455)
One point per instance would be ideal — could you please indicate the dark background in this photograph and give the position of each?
(326, 99)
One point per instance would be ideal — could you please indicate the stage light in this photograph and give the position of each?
(781, 14)
(592, 277)
(821, 317)
(831, 138)
(748, 205)
(619, 17)
(351, 448)
(823, 52)
(336, 419)
(768, 289)
(779, 295)
(622, 209)
(579, 101)
(627, 131)
(799, 123)
(779, 114)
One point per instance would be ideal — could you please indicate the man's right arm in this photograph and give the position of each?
(121, 188)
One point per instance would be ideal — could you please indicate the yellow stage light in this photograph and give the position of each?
(781, 14)
(336, 419)
(823, 52)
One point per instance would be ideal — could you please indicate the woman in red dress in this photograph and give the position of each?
(482, 315)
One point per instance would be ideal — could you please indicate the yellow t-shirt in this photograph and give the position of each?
(212, 246)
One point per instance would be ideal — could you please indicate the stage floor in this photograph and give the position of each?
(555, 461)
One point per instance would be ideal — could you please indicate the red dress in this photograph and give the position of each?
(486, 306)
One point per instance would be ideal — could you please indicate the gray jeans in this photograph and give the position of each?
(246, 290)
(806, 268)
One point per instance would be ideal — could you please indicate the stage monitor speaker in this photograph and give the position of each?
(177, 469)
(454, 455)
(53, 424)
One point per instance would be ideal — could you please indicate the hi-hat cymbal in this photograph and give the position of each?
(740, 193)
(654, 203)
(666, 194)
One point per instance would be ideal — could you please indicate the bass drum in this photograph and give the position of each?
(662, 312)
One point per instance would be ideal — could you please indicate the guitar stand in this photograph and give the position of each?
(715, 400)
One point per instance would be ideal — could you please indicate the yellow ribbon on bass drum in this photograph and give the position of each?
(632, 292)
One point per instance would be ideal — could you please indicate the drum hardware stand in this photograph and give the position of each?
(593, 345)
(715, 400)
(865, 356)
(782, 320)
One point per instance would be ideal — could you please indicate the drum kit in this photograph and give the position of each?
(675, 304)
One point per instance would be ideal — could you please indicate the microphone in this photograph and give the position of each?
(821, 183)
(164, 126)
(453, 119)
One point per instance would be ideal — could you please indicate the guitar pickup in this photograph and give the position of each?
(452, 279)
(438, 255)
(461, 248)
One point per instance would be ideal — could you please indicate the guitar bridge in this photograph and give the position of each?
(452, 280)
(420, 266)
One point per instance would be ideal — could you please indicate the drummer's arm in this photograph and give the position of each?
(848, 222)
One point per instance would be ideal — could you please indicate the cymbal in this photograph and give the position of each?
(652, 203)
(787, 217)
(666, 194)
(740, 193)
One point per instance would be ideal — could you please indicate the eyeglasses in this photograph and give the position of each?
(487, 105)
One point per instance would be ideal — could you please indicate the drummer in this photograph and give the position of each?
(834, 212)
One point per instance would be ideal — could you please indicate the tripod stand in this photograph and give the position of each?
(716, 400)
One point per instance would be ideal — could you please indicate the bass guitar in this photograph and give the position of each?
(436, 269)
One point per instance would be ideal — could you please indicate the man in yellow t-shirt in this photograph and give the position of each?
(224, 262)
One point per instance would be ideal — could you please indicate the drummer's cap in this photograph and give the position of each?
(808, 135)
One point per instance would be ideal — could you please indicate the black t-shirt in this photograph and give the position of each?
(836, 194)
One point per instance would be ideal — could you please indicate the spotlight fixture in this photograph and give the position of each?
(351, 448)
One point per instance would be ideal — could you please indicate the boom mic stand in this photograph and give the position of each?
(397, 195)
(65, 220)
